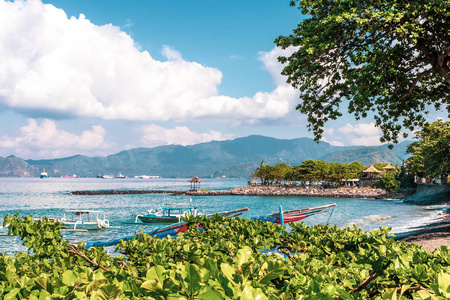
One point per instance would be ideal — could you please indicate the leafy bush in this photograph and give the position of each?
(389, 183)
(222, 258)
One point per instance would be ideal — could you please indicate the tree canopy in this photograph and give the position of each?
(431, 153)
(389, 59)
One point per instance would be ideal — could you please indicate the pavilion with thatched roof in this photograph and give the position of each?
(195, 183)
(371, 171)
(389, 167)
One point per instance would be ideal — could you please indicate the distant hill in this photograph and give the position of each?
(231, 158)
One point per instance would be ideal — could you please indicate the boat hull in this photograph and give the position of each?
(81, 226)
(155, 219)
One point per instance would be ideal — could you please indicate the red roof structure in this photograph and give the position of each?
(195, 183)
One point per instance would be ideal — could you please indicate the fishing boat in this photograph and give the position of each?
(168, 213)
(84, 220)
(120, 176)
(285, 217)
(107, 176)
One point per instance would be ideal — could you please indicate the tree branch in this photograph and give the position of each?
(414, 83)
(73, 250)
(366, 281)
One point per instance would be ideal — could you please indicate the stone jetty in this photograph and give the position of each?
(342, 192)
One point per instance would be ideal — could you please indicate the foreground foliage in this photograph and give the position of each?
(224, 261)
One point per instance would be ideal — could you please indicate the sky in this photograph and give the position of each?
(98, 77)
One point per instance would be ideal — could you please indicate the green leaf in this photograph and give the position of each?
(210, 294)
(107, 292)
(94, 285)
(152, 285)
(228, 271)
(43, 282)
(69, 277)
(12, 294)
(272, 275)
(191, 278)
(156, 272)
(444, 284)
(243, 255)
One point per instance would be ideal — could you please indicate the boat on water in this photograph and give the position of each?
(120, 176)
(69, 176)
(44, 174)
(168, 213)
(147, 177)
(282, 217)
(84, 220)
(108, 176)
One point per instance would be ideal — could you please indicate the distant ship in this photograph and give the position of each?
(69, 176)
(121, 176)
(107, 176)
(44, 174)
(147, 177)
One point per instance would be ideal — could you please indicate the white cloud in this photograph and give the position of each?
(154, 135)
(45, 140)
(271, 64)
(53, 65)
(351, 135)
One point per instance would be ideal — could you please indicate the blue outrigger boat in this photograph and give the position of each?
(168, 213)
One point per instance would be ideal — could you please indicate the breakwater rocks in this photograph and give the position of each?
(309, 192)
(260, 191)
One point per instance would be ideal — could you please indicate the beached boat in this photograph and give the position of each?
(168, 213)
(84, 220)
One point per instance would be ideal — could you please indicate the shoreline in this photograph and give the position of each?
(430, 237)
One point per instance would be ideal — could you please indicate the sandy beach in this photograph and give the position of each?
(430, 237)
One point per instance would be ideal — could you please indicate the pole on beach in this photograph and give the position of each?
(281, 216)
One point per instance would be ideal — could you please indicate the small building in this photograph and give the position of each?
(389, 168)
(371, 172)
(195, 183)
(371, 177)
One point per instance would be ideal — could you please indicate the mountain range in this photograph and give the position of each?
(231, 158)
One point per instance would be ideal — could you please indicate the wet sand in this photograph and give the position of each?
(430, 237)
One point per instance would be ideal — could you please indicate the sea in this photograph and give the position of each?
(51, 196)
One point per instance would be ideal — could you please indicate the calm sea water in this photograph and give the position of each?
(49, 197)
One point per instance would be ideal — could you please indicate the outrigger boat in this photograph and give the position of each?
(277, 218)
(168, 213)
(84, 220)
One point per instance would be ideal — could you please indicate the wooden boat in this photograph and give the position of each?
(285, 217)
(168, 213)
(84, 220)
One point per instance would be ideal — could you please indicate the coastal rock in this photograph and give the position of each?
(427, 194)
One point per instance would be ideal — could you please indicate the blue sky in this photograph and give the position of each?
(97, 77)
